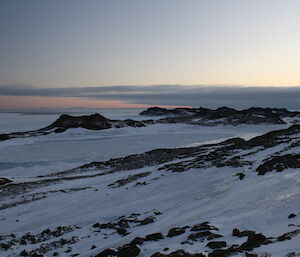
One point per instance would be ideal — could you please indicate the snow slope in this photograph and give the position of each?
(148, 185)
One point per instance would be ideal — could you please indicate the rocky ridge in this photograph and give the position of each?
(222, 115)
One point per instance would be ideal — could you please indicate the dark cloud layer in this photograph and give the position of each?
(178, 95)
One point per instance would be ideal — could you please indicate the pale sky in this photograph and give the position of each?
(75, 43)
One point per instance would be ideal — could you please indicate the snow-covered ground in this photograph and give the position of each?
(25, 157)
(216, 195)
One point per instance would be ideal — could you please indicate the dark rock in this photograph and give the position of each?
(137, 241)
(129, 179)
(239, 233)
(158, 254)
(251, 255)
(147, 221)
(96, 225)
(6, 246)
(4, 137)
(94, 122)
(216, 244)
(175, 232)
(178, 253)
(292, 215)
(203, 226)
(24, 253)
(223, 253)
(253, 241)
(134, 123)
(46, 232)
(107, 253)
(122, 231)
(214, 236)
(128, 250)
(4, 181)
(134, 215)
(279, 163)
(93, 247)
(68, 250)
(154, 237)
(292, 254)
(202, 235)
(157, 111)
(289, 235)
(241, 175)
(235, 232)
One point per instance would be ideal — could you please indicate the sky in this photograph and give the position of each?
(138, 53)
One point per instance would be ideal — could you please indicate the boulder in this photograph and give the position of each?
(107, 253)
(216, 244)
(128, 250)
(154, 237)
(175, 232)
(253, 241)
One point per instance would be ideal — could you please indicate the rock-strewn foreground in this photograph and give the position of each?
(193, 116)
(234, 198)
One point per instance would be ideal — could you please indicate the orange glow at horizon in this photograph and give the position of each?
(33, 102)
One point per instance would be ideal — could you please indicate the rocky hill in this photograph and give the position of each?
(65, 122)
(222, 115)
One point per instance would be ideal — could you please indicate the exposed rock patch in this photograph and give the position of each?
(216, 244)
(279, 163)
(129, 179)
(154, 237)
(176, 231)
(4, 181)
(178, 253)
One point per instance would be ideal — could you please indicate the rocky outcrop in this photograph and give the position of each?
(254, 241)
(65, 122)
(176, 231)
(157, 111)
(279, 163)
(93, 122)
(154, 237)
(219, 112)
(216, 244)
(178, 253)
(221, 116)
(129, 179)
(4, 181)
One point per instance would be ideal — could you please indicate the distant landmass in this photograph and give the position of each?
(193, 116)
